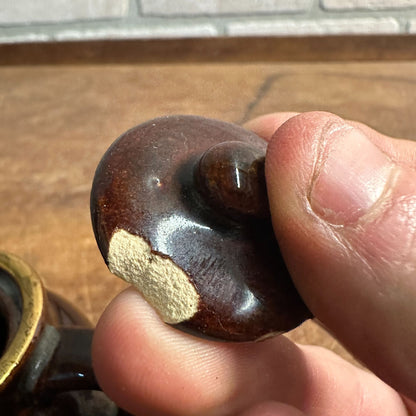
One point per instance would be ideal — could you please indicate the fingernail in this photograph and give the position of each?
(350, 175)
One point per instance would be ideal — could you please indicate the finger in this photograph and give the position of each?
(265, 126)
(401, 151)
(343, 203)
(273, 409)
(150, 368)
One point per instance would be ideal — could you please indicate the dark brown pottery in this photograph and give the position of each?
(45, 344)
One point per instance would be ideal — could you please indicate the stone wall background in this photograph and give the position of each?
(62, 20)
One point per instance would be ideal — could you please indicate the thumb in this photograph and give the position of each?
(343, 202)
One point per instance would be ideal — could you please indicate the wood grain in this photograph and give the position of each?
(57, 121)
(226, 49)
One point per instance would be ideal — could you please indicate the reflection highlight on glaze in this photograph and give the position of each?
(169, 226)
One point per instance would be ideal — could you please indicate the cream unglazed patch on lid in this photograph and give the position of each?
(164, 285)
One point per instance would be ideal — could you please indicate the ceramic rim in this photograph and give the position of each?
(31, 290)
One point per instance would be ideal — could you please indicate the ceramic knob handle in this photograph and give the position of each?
(230, 176)
(179, 209)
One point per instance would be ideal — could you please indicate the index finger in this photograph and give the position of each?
(150, 368)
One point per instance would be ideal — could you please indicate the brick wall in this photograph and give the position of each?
(51, 20)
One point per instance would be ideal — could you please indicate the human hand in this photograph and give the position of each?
(343, 203)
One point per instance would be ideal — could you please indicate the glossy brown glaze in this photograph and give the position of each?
(230, 178)
(56, 360)
(165, 182)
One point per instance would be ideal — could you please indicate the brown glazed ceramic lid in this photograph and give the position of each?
(179, 209)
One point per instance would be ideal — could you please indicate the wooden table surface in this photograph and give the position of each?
(57, 121)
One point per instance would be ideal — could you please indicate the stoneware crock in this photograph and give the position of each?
(45, 344)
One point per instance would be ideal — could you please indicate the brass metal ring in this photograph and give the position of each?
(32, 294)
